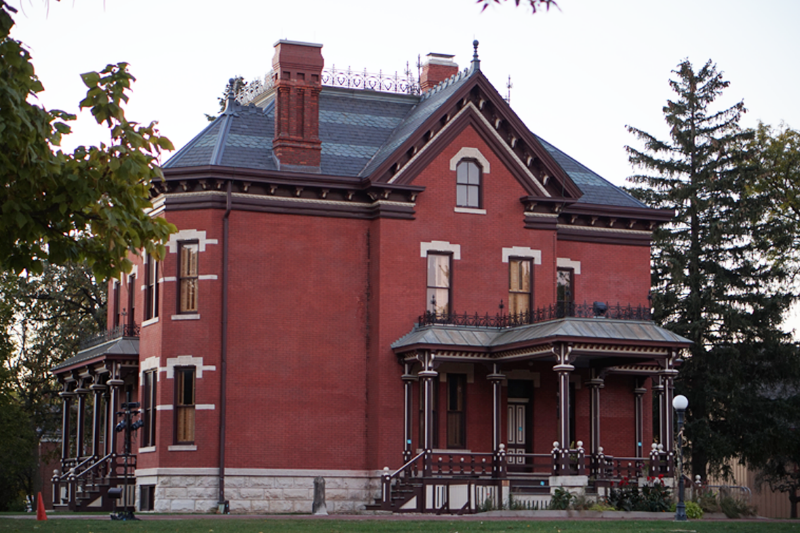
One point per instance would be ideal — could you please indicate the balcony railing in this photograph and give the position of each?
(542, 314)
(127, 330)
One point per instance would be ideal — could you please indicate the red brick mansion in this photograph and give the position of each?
(391, 284)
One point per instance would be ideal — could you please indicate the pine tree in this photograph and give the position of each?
(713, 280)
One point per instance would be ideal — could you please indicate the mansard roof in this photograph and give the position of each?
(375, 137)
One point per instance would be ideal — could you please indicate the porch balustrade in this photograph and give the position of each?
(91, 472)
(487, 474)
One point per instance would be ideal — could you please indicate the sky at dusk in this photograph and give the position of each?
(580, 73)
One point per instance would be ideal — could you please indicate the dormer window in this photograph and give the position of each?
(468, 184)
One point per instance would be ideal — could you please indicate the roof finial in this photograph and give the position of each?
(476, 63)
(231, 96)
(509, 86)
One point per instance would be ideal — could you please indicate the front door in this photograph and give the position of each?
(517, 438)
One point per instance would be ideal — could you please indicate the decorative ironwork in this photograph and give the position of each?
(404, 83)
(371, 81)
(543, 314)
(127, 330)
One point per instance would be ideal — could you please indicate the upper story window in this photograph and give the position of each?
(131, 302)
(117, 295)
(149, 408)
(188, 276)
(468, 184)
(439, 278)
(519, 286)
(565, 291)
(184, 404)
(150, 287)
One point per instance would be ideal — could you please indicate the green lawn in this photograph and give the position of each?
(239, 525)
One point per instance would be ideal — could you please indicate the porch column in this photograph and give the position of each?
(81, 419)
(114, 384)
(638, 392)
(658, 393)
(427, 375)
(563, 369)
(66, 398)
(595, 384)
(408, 381)
(97, 389)
(497, 389)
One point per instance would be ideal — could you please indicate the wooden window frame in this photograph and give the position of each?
(151, 284)
(433, 289)
(564, 307)
(456, 439)
(182, 296)
(511, 306)
(185, 411)
(466, 186)
(131, 303)
(149, 392)
(117, 292)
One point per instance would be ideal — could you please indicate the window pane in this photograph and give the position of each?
(474, 174)
(462, 173)
(473, 196)
(461, 195)
(518, 303)
(189, 259)
(564, 286)
(188, 295)
(438, 270)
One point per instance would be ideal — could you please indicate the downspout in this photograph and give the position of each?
(223, 505)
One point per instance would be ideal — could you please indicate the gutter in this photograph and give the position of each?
(223, 504)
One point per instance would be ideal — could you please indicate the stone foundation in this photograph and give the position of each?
(257, 491)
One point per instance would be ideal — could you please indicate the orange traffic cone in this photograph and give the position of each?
(40, 512)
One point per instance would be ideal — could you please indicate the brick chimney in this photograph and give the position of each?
(297, 68)
(437, 68)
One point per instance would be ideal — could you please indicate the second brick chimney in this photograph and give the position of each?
(296, 70)
(437, 68)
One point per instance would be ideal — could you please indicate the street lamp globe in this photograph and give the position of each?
(680, 403)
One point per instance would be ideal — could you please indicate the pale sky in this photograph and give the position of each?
(579, 73)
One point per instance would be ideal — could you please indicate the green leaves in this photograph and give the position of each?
(86, 205)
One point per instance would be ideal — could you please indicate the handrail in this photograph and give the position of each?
(72, 470)
(408, 464)
(95, 465)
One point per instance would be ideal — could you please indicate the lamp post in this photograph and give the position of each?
(680, 403)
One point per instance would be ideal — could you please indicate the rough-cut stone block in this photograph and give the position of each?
(182, 506)
(251, 494)
(176, 493)
(282, 506)
(297, 494)
(209, 481)
(199, 493)
(234, 481)
(336, 494)
(206, 506)
(264, 482)
(260, 506)
(240, 506)
(161, 506)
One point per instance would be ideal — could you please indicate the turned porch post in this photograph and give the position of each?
(96, 420)
(408, 380)
(427, 375)
(563, 369)
(497, 388)
(81, 419)
(658, 393)
(66, 398)
(595, 384)
(638, 392)
(115, 383)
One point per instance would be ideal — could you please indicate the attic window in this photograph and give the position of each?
(468, 184)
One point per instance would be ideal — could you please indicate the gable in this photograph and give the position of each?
(478, 104)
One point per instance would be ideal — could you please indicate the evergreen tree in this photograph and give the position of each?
(713, 280)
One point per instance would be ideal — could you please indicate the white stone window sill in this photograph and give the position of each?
(185, 317)
(147, 449)
(149, 321)
(183, 448)
(470, 210)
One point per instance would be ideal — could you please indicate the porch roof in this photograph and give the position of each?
(123, 346)
(597, 330)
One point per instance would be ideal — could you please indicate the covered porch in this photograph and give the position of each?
(495, 406)
(94, 457)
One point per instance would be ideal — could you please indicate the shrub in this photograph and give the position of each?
(561, 499)
(694, 511)
(653, 497)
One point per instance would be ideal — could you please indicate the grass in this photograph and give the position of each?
(151, 524)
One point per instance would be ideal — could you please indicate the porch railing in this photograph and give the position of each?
(71, 484)
(125, 330)
(542, 314)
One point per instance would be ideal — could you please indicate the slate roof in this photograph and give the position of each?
(587, 328)
(359, 130)
(120, 346)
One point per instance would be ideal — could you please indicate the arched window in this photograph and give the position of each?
(468, 184)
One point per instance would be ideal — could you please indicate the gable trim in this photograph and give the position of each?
(450, 124)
